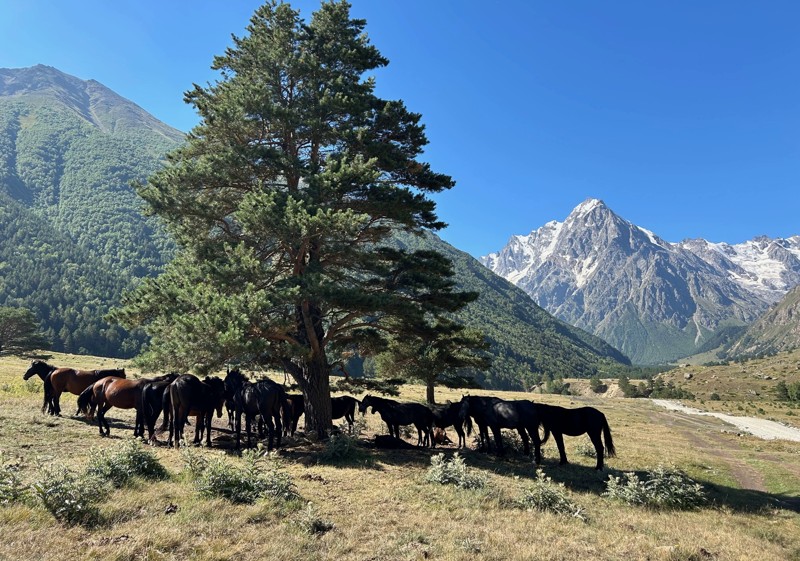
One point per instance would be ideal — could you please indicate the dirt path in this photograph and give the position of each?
(704, 434)
(762, 428)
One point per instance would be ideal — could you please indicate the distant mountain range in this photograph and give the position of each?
(654, 300)
(73, 234)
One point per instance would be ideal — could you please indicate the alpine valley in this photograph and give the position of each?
(654, 300)
(73, 235)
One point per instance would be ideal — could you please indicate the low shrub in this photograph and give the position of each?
(311, 523)
(545, 496)
(12, 487)
(454, 472)
(69, 497)
(245, 481)
(120, 464)
(194, 463)
(585, 448)
(662, 488)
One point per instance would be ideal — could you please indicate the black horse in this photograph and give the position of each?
(395, 413)
(296, 409)
(43, 370)
(153, 403)
(343, 406)
(496, 414)
(574, 422)
(265, 398)
(449, 415)
(191, 396)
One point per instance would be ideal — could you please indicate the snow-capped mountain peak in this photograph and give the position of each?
(653, 299)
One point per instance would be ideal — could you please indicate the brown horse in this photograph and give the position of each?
(74, 381)
(122, 393)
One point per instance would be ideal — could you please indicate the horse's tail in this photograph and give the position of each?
(86, 401)
(610, 450)
(467, 422)
(47, 384)
(546, 432)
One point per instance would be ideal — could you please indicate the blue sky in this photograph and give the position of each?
(684, 117)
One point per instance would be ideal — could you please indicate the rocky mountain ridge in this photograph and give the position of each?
(654, 300)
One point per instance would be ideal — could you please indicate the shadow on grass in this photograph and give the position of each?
(586, 479)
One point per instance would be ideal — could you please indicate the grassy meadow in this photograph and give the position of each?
(382, 507)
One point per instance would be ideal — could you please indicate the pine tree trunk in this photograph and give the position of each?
(430, 392)
(317, 394)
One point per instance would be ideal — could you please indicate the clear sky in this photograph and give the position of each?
(684, 117)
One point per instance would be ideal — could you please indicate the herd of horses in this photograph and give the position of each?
(266, 405)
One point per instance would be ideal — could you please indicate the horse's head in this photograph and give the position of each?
(36, 367)
(366, 402)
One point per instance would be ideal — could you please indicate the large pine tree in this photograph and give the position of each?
(284, 201)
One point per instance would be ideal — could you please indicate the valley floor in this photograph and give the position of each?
(383, 508)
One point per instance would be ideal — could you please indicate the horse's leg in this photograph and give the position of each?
(526, 447)
(462, 438)
(248, 421)
(498, 438)
(598, 447)
(207, 420)
(559, 438)
(278, 427)
(198, 430)
(101, 419)
(270, 430)
(537, 445)
(56, 402)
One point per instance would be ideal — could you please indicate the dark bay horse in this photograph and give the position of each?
(191, 396)
(574, 422)
(296, 410)
(70, 380)
(396, 413)
(449, 415)
(496, 414)
(265, 398)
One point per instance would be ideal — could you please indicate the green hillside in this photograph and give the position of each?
(74, 235)
(528, 344)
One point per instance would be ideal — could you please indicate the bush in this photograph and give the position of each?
(663, 488)
(71, 498)
(311, 522)
(245, 482)
(194, 463)
(715, 397)
(585, 448)
(453, 472)
(118, 466)
(12, 488)
(545, 496)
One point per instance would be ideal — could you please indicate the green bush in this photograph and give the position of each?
(71, 498)
(119, 465)
(194, 463)
(453, 472)
(545, 496)
(245, 481)
(663, 488)
(715, 397)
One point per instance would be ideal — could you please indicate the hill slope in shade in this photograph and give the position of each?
(777, 330)
(655, 301)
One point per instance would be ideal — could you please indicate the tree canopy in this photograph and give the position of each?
(19, 331)
(283, 202)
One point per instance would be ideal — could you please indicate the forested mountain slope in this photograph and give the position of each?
(69, 149)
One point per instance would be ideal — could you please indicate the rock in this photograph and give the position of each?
(688, 376)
